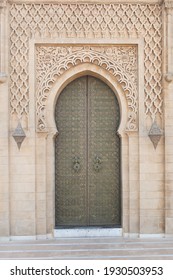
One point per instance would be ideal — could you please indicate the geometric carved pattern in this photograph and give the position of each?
(85, 21)
(120, 61)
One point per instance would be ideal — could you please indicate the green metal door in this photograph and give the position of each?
(87, 155)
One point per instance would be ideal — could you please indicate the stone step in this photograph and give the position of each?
(88, 248)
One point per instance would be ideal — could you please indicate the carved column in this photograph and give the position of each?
(168, 95)
(4, 124)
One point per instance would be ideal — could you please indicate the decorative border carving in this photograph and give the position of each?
(120, 61)
(85, 20)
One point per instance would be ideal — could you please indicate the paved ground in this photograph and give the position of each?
(88, 248)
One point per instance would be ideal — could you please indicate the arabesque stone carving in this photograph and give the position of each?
(120, 61)
(84, 20)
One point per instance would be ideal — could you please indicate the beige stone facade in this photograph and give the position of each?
(44, 45)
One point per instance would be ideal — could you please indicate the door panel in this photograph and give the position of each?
(104, 144)
(87, 160)
(70, 149)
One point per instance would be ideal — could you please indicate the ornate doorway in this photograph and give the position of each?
(87, 156)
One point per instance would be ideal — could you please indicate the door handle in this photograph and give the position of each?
(76, 164)
(97, 163)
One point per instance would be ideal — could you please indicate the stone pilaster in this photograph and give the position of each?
(169, 38)
(4, 124)
(3, 6)
(168, 95)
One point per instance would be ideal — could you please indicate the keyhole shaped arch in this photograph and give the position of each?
(52, 99)
(74, 73)
(87, 156)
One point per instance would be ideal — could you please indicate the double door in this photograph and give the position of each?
(87, 155)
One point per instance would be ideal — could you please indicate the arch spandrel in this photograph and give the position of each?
(119, 63)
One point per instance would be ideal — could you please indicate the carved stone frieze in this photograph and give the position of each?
(120, 61)
(82, 20)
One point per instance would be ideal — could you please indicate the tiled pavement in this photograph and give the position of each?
(89, 248)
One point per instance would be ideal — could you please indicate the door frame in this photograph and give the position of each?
(131, 140)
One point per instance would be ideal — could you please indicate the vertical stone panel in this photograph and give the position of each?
(151, 187)
(168, 89)
(22, 183)
(133, 184)
(41, 191)
(4, 124)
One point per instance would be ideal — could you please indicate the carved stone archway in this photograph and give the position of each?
(56, 66)
(69, 75)
(119, 61)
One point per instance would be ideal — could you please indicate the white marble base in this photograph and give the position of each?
(161, 235)
(167, 235)
(4, 238)
(22, 238)
(88, 232)
(130, 235)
